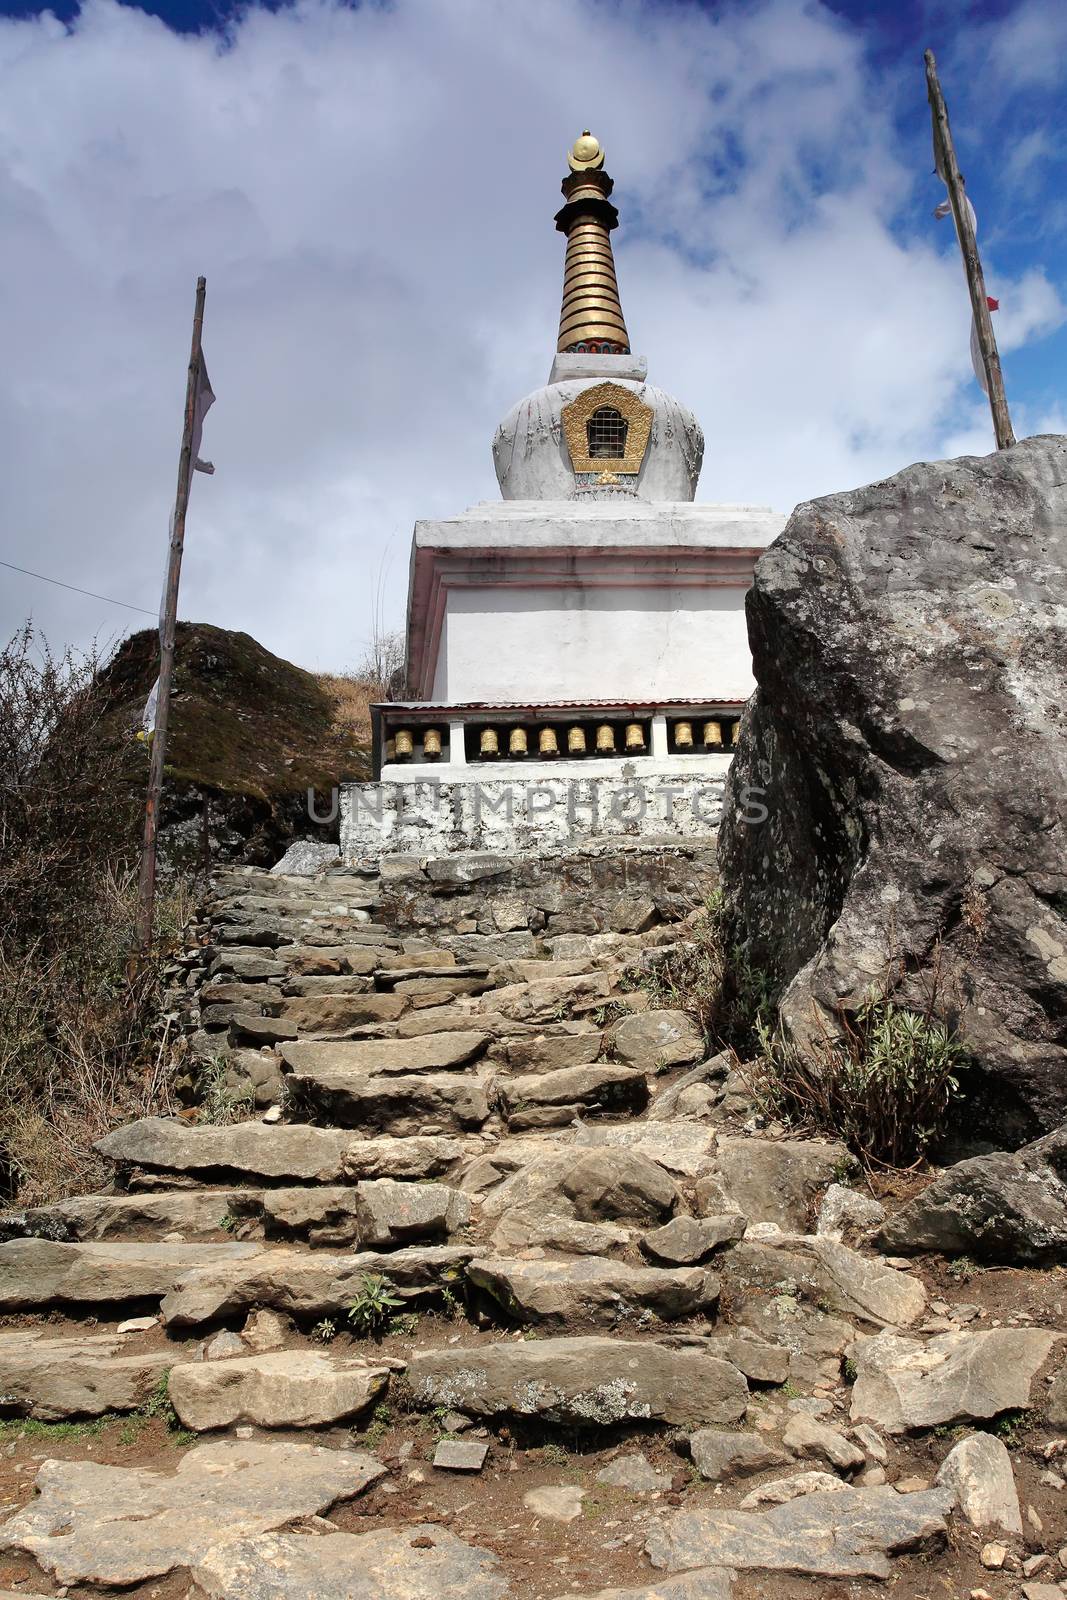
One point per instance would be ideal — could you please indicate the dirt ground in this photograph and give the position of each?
(602, 1548)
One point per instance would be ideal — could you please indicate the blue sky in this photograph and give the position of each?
(370, 192)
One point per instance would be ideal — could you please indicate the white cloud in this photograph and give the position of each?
(370, 193)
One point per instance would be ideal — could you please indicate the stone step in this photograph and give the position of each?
(270, 1151)
(86, 1376)
(276, 1389)
(431, 1053)
(337, 1015)
(412, 1562)
(584, 1381)
(399, 1104)
(389, 976)
(554, 1099)
(571, 1293)
(38, 1274)
(308, 1285)
(381, 1212)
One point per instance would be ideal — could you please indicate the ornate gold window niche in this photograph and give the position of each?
(607, 423)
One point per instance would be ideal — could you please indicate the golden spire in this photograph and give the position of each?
(591, 319)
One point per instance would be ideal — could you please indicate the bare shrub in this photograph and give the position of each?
(708, 976)
(884, 1080)
(79, 1041)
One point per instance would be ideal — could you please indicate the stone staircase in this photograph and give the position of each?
(471, 1177)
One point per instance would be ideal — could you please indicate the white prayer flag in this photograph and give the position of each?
(205, 399)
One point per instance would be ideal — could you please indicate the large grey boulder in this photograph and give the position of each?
(1004, 1207)
(849, 1533)
(409, 1563)
(118, 1526)
(909, 643)
(618, 1186)
(956, 1377)
(582, 1380)
(280, 1389)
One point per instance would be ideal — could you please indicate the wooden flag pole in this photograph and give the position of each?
(947, 166)
(168, 618)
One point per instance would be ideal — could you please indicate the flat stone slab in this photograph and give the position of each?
(461, 1455)
(905, 1383)
(433, 1052)
(53, 1378)
(682, 1147)
(591, 1289)
(603, 1086)
(248, 1149)
(847, 1534)
(307, 1285)
(36, 1273)
(978, 1471)
(412, 1563)
(581, 1380)
(122, 1525)
(279, 1389)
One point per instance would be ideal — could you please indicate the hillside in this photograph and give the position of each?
(249, 734)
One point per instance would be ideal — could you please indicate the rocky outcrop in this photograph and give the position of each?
(908, 736)
(1005, 1207)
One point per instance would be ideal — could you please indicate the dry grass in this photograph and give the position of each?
(352, 698)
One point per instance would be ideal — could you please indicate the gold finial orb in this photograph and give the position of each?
(585, 154)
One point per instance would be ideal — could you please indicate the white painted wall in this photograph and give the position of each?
(529, 812)
(643, 643)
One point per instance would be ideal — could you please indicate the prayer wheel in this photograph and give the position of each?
(605, 740)
(547, 743)
(712, 733)
(488, 744)
(405, 744)
(635, 736)
(390, 751)
(431, 744)
(735, 732)
(517, 742)
(683, 736)
(576, 741)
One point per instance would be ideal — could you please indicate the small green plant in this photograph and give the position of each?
(849, 1370)
(884, 1082)
(405, 1322)
(963, 1269)
(325, 1330)
(228, 1222)
(789, 1390)
(31, 1428)
(450, 1304)
(378, 1426)
(1010, 1427)
(371, 1312)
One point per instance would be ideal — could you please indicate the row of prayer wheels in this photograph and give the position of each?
(401, 747)
(712, 734)
(550, 742)
(516, 743)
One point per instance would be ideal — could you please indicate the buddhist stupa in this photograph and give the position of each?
(577, 659)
